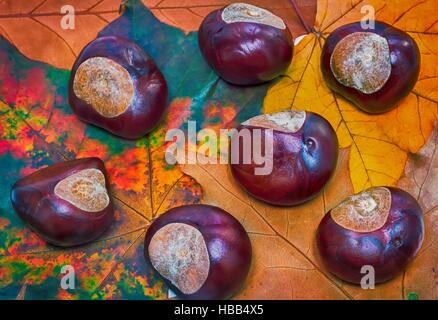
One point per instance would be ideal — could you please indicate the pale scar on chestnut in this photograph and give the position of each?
(364, 212)
(289, 121)
(243, 12)
(85, 190)
(362, 60)
(105, 85)
(179, 253)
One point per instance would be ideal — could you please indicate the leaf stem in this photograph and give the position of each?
(300, 16)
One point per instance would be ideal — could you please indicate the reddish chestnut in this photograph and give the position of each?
(67, 204)
(115, 85)
(304, 154)
(245, 44)
(373, 68)
(201, 251)
(380, 227)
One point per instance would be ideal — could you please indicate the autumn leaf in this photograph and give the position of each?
(188, 15)
(421, 180)
(37, 129)
(25, 258)
(379, 144)
(34, 26)
(421, 174)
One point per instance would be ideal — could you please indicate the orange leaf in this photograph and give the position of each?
(44, 39)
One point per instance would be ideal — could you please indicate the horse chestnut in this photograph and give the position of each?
(302, 159)
(245, 44)
(373, 68)
(201, 251)
(115, 85)
(67, 204)
(380, 227)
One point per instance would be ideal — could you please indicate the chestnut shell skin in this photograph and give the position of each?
(56, 220)
(405, 67)
(228, 272)
(150, 88)
(303, 163)
(268, 52)
(388, 249)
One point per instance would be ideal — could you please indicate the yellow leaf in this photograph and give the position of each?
(379, 143)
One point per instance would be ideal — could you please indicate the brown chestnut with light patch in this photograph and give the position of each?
(245, 44)
(115, 85)
(201, 251)
(68, 203)
(381, 227)
(300, 150)
(374, 68)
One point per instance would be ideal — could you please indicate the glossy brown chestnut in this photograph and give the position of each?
(68, 203)
(373, 68)
(115, 85)
(304, 156)
(381, 227)
(245, 44)
(201, 251)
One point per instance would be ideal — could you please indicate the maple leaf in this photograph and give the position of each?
(379, 143)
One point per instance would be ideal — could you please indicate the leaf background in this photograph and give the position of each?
(37, 128)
